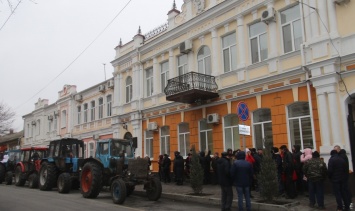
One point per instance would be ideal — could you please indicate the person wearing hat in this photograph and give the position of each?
(225, 181)
(316, 172)
(178, 168)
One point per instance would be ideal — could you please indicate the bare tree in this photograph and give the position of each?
(7, 117)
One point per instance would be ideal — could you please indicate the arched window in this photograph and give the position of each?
(231, 132)
(262, 127)
(128, 89)
(204, 61)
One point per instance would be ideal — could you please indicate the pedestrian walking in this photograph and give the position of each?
(338, 172)
(166, 168)
(178, 168)
(316, 172)
(225, 181)
(242, 175)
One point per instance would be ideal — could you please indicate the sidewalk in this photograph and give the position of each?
(212, 194)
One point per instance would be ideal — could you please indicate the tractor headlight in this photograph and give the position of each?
(128, 173)
(149, 172)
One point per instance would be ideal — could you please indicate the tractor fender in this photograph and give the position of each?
(92, 160)
(22, 166)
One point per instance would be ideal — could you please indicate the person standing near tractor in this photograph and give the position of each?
(166, 168)
(178, 168)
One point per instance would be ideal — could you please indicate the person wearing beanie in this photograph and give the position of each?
(316, 172)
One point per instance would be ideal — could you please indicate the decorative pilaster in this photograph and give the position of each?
(323, 118)
(334, 120)
(333, 28)
(214, 52)
(241, 43)
(322, 8)
(172, 71)
(156, 77)
(272, 33)
(314, 20)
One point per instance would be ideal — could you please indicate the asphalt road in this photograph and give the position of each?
(13, 198)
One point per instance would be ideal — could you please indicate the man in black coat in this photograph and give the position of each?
(178, 168)
(296, 153)
(225, 181)
(166, 168)
(288, 168)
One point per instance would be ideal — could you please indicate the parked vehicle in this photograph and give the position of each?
(115, 166)
(8, 165)
(61, 168)
(28, 166)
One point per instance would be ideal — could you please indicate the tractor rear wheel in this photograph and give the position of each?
(8, 178)
(64, 183)
(19, 181)
(91, 180)
(33, 181)
(2, 172)
(154, 189)
(47, 176)
(118, 191)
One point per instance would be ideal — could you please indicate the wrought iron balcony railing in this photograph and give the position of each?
(190, 87)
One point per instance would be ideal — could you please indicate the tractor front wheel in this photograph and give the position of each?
(19, 181)
(64, 183)
(2, 172)
(33, 181)
(47, 176)
(91, 180)
(154, 189)
(118, 191)
(8, 178)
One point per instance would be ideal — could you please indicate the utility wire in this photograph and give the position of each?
(12, 12)
(76, 58)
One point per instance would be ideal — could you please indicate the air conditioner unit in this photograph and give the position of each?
(78, 97)
(33, 122)
(341, 1)
(110, 84)
(268, 15)
(185, 47)
(152, 126)
(95, 137)
(101, 88)
(213, 118)
(50, 117)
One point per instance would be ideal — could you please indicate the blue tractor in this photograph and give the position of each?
(61, 168)
(115, 166)
(8, 165)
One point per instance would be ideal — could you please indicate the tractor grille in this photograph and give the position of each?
(138, 168)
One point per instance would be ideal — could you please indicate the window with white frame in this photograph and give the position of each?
(184, 138)
(165, 140)
(204, 61)
(49, 126)
(182, 64)
(258, 42)
(129, 88)
(164, 74)
(229, 45)
(109, 105)
(149, 143)
(300, 126)
(92, 111)
(262, 128)
(149, 81)
(38, 127)
(101, 108)
(85, 113)
(291, 28)
(63, 122)
(91, 149)
(79, 114)
(206, 141)
(231, 132)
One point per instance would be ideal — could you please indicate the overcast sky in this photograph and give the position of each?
(43, 37)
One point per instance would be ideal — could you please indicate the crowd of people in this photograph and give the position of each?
(298, 174)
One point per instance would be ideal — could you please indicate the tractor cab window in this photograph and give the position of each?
(67, 150)
(103, 148)
(51, 150)
(25, 156)
(56, 151)
(128, 150)
(74, 148)
(13, 156)
(116, 148)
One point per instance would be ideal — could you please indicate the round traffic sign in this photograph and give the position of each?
(243, 111)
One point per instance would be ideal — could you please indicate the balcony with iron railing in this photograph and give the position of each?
(191, 88)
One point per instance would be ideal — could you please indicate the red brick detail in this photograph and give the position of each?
(275, 85)
(258, 89)
(242, 93)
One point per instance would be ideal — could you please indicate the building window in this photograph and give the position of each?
(49, 126)
(149, 143)
(92, 111)
(258, 42)
(149, 81)
(91, 149)
(55, 123)
(231, 132)
(164, 67)
(300, 125)
(63, 119)
(182, 64)
(85, 113)
(206, 141)
(204, 61)
(101, 108)
(85, 151)
(165, 140)
(262, 128)
(38, 127)
(79, 115)
(184, 139)
(229, 52)
(109, 105)
(129, 88)
(291, 28)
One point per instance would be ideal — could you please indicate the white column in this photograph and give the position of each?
(314, 20)
(241, 43)
(156, 76)
(214, 52)
(333, 28)
(117, 90)
(334, 120)
(135, 83)
(323, 118)
(172, 69)
(322, 8)
(307, 21)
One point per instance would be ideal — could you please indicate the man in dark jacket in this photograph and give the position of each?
(225, 181)
(278, 162)
(166, 168)
(288, 168)
(178, 168)
(296, 154)
(214, 167)
(316, 172)
(242, 175)
(338, 173)
(342, 154)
